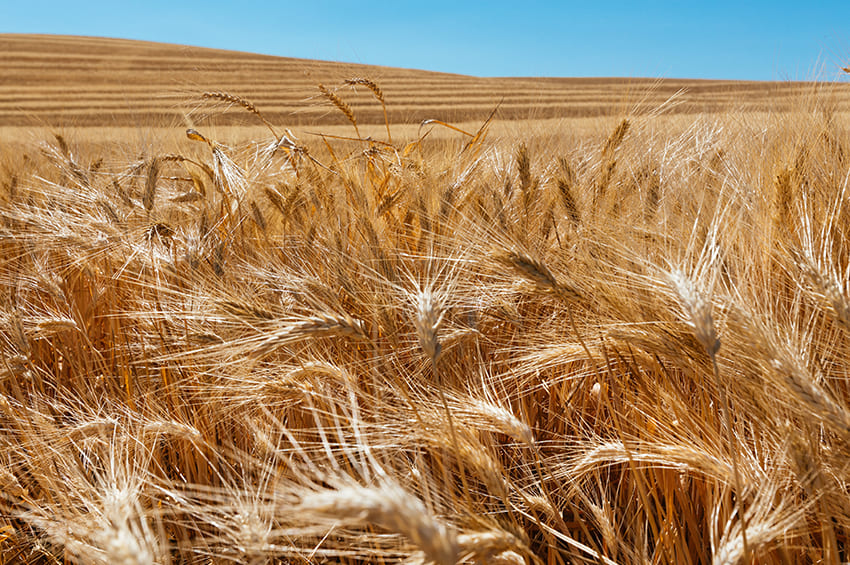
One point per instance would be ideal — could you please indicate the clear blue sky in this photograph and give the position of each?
(760, 40)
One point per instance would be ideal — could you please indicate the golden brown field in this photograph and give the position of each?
(71, 81)
(609, 323)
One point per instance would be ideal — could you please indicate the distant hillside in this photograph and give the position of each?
(83, 81)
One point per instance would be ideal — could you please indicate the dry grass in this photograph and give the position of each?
(623, 343)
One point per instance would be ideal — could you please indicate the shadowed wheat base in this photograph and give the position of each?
(629, 347)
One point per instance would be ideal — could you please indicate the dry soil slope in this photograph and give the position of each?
(82, 81)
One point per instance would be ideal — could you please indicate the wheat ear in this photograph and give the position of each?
(537, 272)
(379, 96)
(702, 322)
(391, 508)
(566, 182)
(247, 104)
(341, 105)
(150, 184)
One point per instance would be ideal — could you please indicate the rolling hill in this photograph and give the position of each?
(84, 81)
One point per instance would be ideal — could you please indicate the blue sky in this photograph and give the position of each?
(757, 40)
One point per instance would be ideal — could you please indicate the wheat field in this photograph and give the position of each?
(89, 82)
(259, 310)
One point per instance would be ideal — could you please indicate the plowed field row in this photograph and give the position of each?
(95, 82)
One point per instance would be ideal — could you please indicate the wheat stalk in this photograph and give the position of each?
(150, 184)
(379, 96)
(485, 545)
(566, 183)
(429, 318)
(537, 272)
(247, 104)
(702, 322)
(389, 507)
(317, 325)
(616, 138)
(341, 105)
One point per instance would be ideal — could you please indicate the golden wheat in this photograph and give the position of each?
(623, 343)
